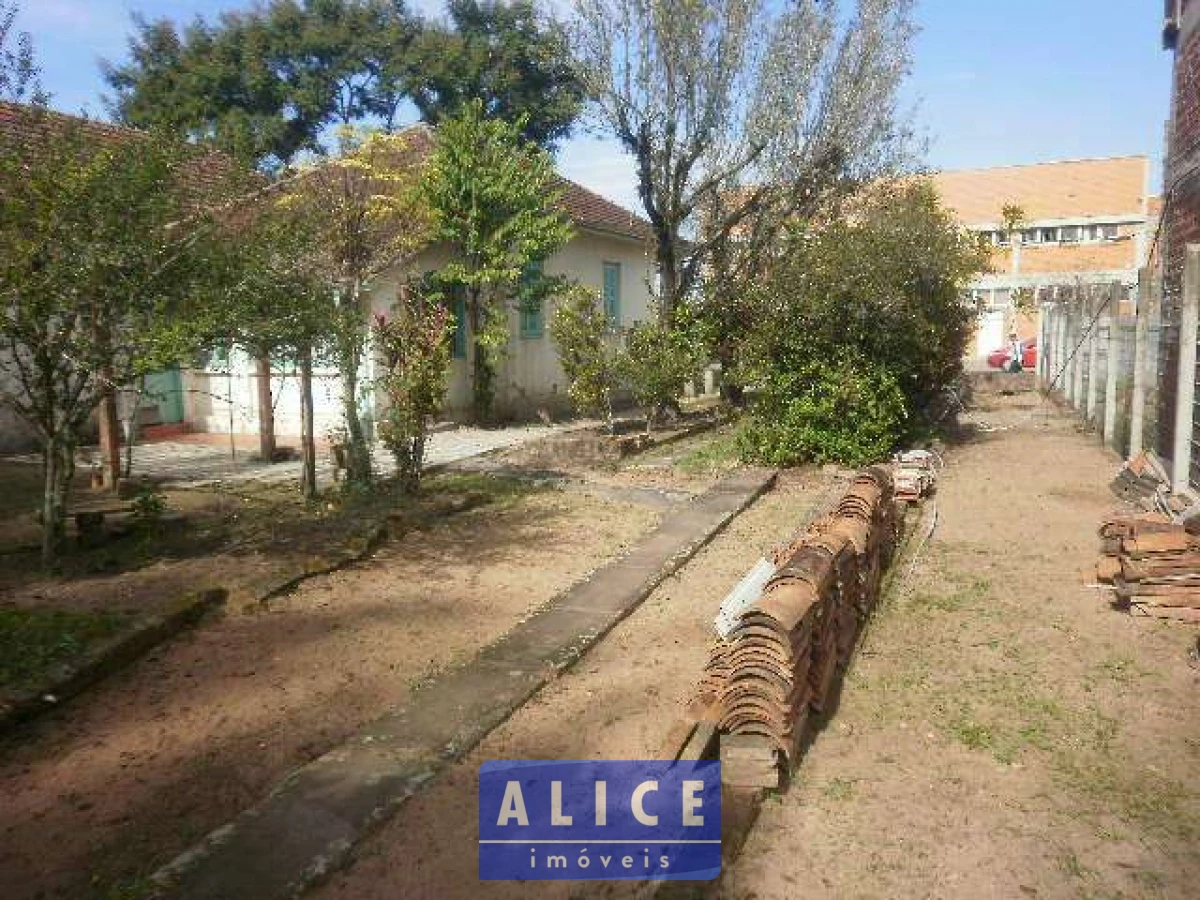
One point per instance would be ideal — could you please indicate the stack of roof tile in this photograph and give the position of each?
(782, 657)
(1153, 565)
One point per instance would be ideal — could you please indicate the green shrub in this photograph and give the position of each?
(848, 410)
(659, 358)
(587, 350)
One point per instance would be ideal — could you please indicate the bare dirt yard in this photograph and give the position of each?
(103, 791)
(1003, 732)
(621, 701)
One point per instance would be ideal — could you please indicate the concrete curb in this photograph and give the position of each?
(108, 657)
(309, 824)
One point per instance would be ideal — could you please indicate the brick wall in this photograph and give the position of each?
(1182, 220)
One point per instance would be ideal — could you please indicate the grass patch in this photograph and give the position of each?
(715, 453)
(840, 788)
(34, 640)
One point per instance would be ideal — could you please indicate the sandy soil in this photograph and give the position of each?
(1003, 732)
(117, 783)
(620, 702)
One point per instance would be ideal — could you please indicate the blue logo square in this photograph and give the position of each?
(590, 819)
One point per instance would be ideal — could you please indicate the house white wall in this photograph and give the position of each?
(529, 377)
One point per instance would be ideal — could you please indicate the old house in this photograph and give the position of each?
(609, 252)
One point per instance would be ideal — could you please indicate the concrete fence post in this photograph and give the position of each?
(1141, 350)
(1092, 324)
(1185, 394)
(1112, 367)
(1077, 348)
(1042, 341)
(1060, 357)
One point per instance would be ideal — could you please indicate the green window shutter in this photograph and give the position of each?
(612, 292)
(530, 301)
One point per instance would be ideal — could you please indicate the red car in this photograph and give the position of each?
(998, 359)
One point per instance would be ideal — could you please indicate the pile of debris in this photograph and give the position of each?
(780, 658)
(1153, 565)
(915, 474)
(1144, 483)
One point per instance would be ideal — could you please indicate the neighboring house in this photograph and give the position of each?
(1089, 220)
(609, 253)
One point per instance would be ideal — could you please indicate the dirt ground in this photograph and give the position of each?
(619, 702)
(116, 783)
(1003, 732)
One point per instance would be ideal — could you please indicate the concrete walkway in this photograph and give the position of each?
(192, 464)
(307, 826)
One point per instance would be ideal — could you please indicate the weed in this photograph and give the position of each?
(34, 640)
(840, 788)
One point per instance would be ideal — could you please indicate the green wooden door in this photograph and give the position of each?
(166, 389)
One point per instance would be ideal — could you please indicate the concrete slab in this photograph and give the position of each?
(307, 826)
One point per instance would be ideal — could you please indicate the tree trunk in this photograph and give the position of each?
(668, 276)
(58, 467)
(482, 375)
(266, 411)
(358, 455)
(110, 442)
(308, 450)
(131, 426)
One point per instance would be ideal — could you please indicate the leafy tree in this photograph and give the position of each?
(517, 64)
(101, 269)
(19, 72)
(414, 348)
(741, 113)
(366, 214)
(494, 201)
(588, 351)
(875, 291)
(274, 296)
(266, 84)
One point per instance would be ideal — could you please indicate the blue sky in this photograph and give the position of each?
(993, 83)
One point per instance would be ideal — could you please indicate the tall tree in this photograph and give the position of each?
(734, 108)
(265, 84)
(19, 72)
(100, 271)
(495, 202)
(367, 216)
(516, 63)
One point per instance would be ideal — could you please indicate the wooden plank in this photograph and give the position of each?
(1181, 614)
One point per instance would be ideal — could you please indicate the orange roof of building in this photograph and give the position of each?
(1056, 190)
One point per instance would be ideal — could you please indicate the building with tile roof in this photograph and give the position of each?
(1089, 220)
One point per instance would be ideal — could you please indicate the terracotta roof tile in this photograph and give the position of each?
(1054, 190)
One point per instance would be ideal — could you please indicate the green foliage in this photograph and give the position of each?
(494, 199)
(587, 350)
(148, 504)
(414, 349)
(847, 410)
(32, 641)
(882, 281)
(19, 72)
(264, 84)
(659, 358)
(364, 212)
(505, 55)
(104, 269)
